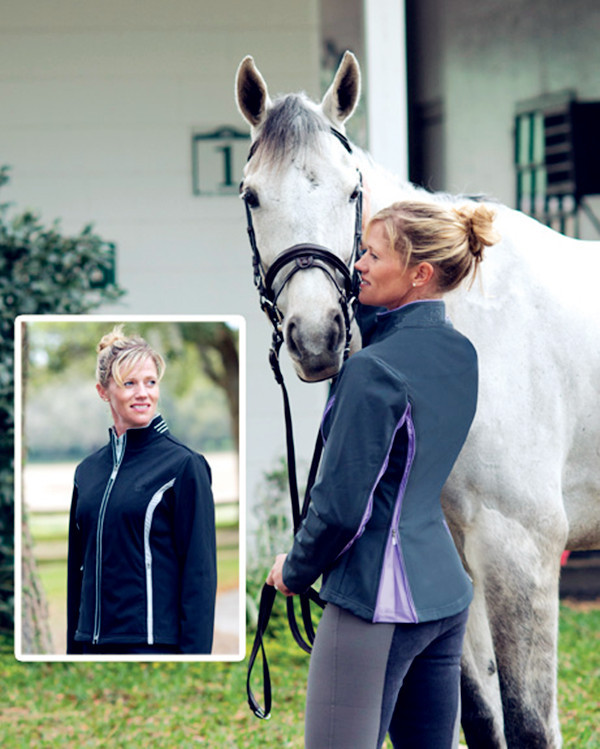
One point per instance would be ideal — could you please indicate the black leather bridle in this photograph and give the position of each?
(303, 257)
(295, 259)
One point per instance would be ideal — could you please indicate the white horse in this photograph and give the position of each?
(527, 484)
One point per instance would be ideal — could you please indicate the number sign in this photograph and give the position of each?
(218, 160)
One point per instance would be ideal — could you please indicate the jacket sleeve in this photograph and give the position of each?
(74, 577)
(196, 547)
(370, 400)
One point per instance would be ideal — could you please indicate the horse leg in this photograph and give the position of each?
(481, 704)
(519, 567)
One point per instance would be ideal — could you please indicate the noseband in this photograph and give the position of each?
(302, 257)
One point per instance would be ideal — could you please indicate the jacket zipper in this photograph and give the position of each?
(117, 459)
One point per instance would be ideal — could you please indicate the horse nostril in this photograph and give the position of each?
(291, 339)
(336, 332)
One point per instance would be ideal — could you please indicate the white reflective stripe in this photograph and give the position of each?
(161, 426)
(152, 505)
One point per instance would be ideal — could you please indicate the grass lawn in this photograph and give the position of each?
(204, 704)
(579, 676)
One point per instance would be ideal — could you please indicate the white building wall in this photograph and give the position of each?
(99, 101)
(480, 59)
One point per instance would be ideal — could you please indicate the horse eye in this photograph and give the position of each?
(251, 198)
(355, 194)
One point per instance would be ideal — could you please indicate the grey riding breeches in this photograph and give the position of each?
(367, 679)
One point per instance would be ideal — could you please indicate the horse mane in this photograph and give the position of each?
(290, 128)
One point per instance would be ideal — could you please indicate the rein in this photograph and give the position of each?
(295, 259)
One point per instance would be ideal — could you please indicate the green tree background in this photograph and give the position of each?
(66, 420)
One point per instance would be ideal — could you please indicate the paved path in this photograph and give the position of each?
(229, 635)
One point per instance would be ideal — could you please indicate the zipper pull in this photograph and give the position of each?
(394, 539)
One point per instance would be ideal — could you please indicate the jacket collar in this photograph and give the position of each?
(424, 313)
(138, 437)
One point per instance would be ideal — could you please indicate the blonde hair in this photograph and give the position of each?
(118, 354)
(452, 238)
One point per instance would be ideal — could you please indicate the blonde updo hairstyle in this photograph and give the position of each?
(118, 354)
(452, 239)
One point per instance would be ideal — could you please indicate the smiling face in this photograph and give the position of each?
(133, 404)
(385, 279)
(385, 282)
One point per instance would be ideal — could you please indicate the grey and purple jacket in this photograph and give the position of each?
(142, 558)
(396, 420)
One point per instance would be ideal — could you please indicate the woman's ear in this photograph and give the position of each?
(101, 392)
(423, 273)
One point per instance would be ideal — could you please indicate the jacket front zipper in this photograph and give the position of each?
(117, 458)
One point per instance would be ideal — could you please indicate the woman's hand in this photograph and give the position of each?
(275, 576)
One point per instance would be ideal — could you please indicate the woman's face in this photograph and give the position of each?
(384, 280)
(134, 403)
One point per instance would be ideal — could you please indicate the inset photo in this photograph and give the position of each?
(129, 488)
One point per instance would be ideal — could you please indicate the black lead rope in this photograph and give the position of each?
(268, 594)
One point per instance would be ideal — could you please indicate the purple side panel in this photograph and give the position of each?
(394, 597)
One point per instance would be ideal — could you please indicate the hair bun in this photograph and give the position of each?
(109, 340)
(478, 223)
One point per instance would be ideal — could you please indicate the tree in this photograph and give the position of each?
(217, 347)
(218, 350)
(41, 272)
(63, 360)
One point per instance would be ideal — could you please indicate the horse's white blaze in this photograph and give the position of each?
(527, 483)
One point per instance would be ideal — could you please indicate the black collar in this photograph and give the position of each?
(138, 437)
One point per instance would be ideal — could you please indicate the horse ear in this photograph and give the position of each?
(252, 95)
(342, 96)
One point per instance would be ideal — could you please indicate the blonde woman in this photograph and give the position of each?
(142, 559)
(387, 651)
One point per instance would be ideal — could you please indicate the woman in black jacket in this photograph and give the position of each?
(142, 550)
(387, 650)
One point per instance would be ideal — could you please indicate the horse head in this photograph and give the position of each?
(302, 192)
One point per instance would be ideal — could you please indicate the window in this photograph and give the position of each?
(557, 159)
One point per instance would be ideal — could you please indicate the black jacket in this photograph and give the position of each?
(142, 550)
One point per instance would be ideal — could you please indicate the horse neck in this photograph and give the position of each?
(381, 187)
